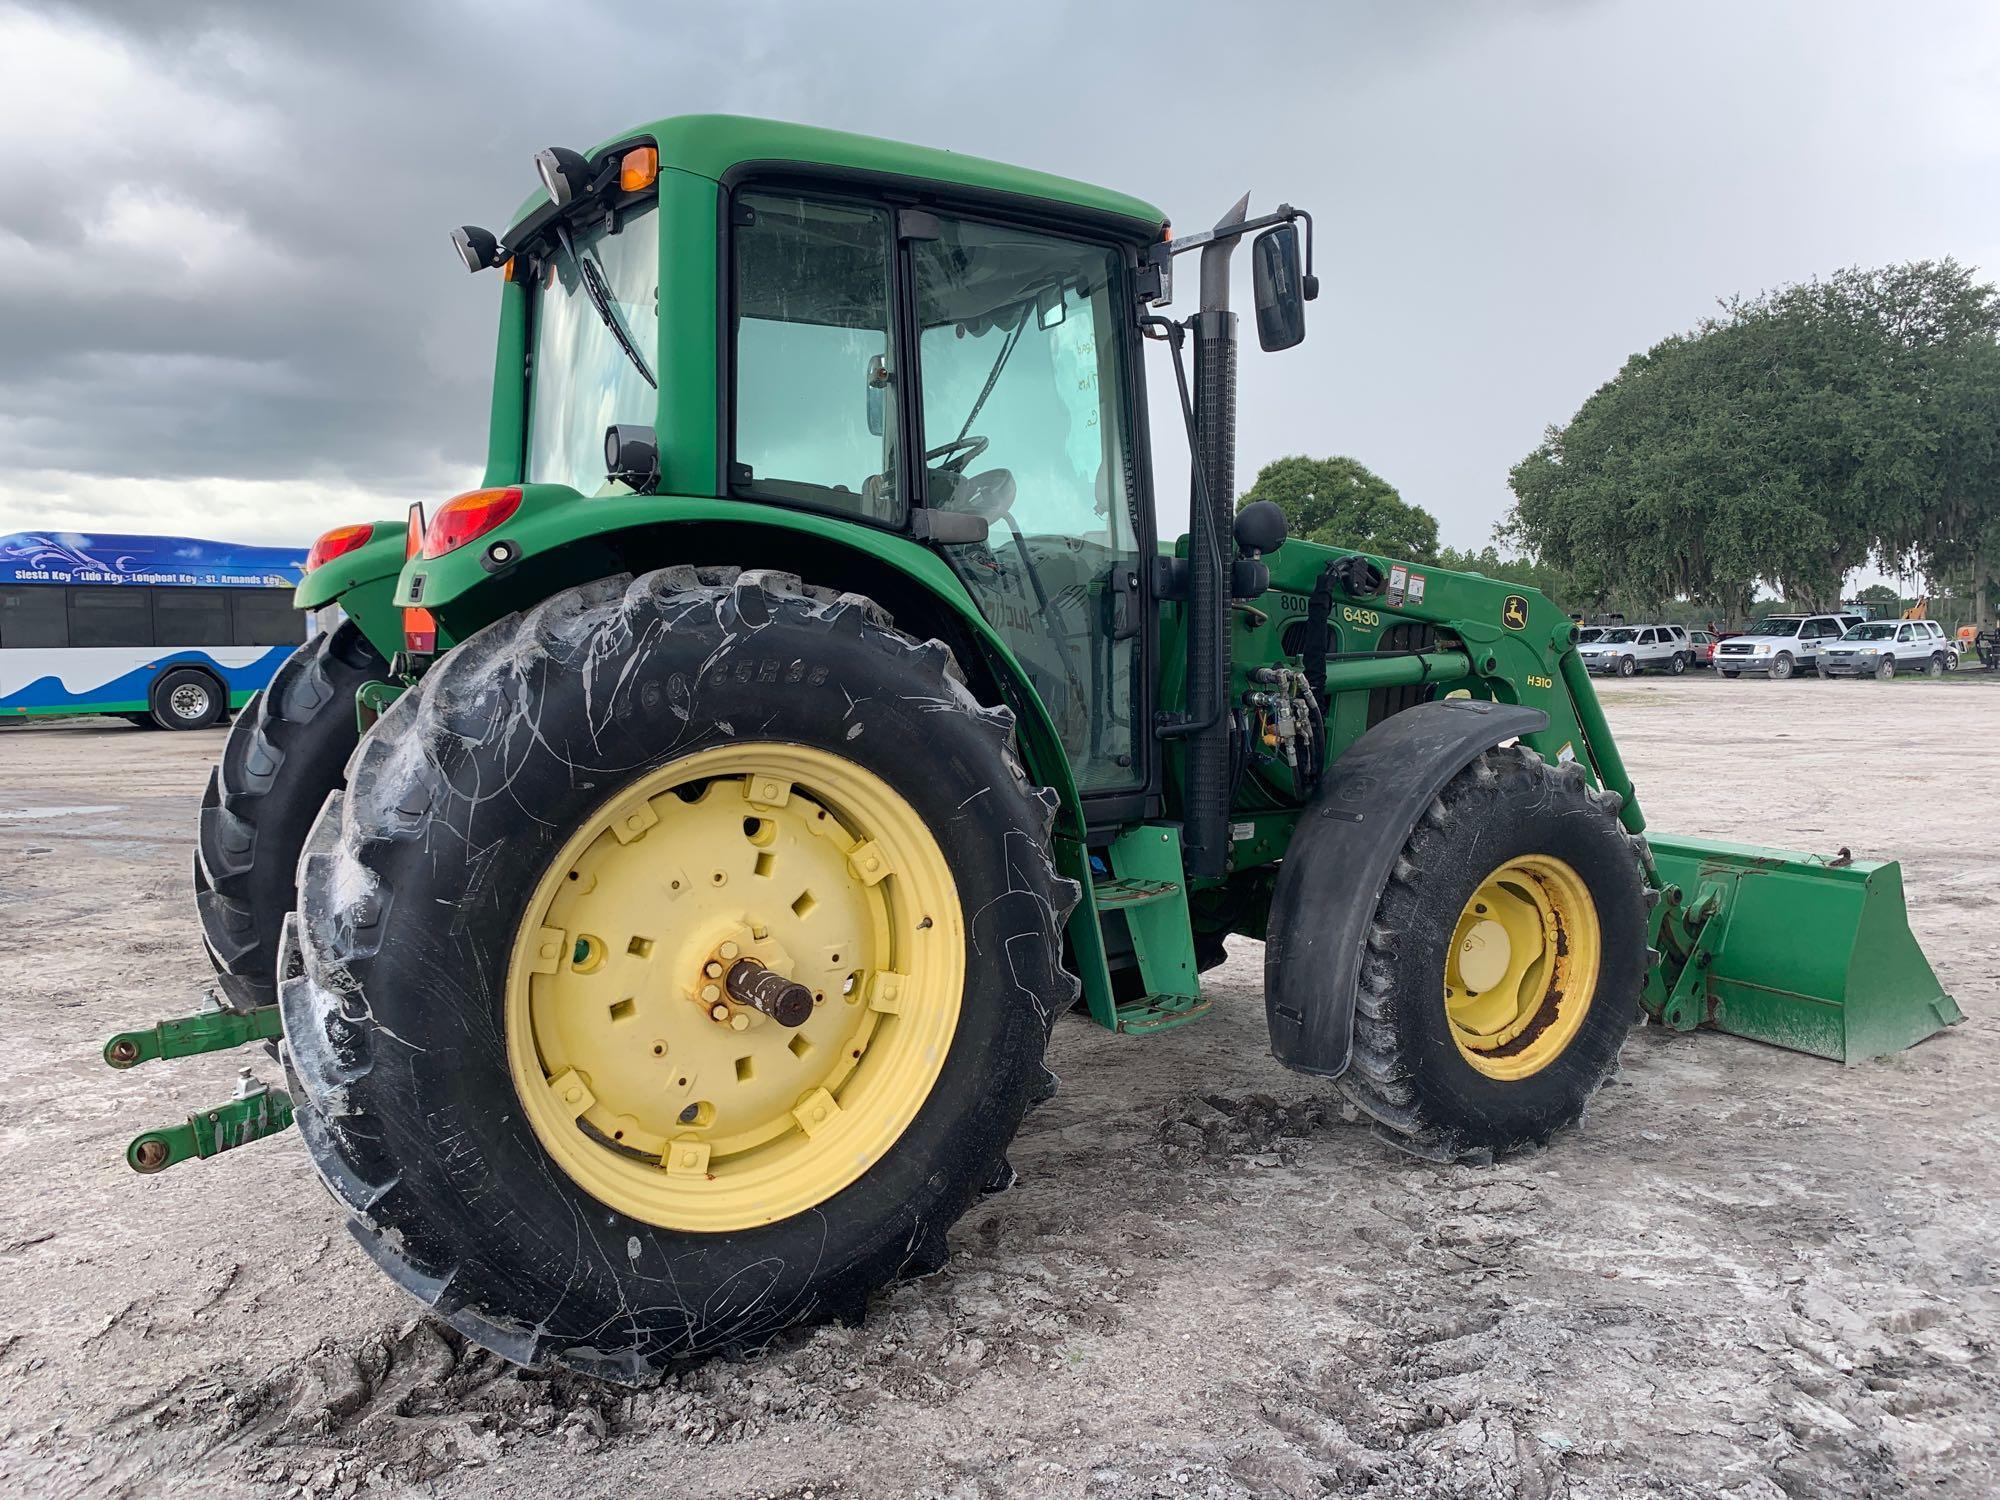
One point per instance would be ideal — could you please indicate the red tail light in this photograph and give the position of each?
(337, 543)
(467, 518)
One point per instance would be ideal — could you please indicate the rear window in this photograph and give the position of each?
(265, 617)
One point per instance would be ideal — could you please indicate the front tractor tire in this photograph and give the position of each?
(1504, 964)
(675, 969)
(286, 751)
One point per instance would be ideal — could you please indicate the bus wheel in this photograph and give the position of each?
(186, 698)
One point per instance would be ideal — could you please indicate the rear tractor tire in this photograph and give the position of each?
(286, 751)
(675, 970)
(1504, 964)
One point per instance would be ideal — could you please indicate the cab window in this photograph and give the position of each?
(1024, 417)
(814, 337)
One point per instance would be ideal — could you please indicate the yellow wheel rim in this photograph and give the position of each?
(656, 1091)
(1523, 966)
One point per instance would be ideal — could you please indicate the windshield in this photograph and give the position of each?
(1777, 627)
(1879, 630)
(1618, 637)
(581, 380)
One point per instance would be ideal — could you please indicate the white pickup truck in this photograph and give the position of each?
(1781, 646)
(1626, 649)
(1882, 648)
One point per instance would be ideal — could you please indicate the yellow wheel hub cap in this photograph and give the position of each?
(1523, 966)
(641, 1073)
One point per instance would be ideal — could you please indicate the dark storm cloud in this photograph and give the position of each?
(223, 226)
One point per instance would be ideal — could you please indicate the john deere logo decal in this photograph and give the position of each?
(1514, 612)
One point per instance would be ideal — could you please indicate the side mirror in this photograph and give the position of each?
(878, 394)
(1280, 287)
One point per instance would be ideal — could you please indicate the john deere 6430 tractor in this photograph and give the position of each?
(699, 828)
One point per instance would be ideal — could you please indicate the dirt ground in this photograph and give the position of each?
(1751, 1274)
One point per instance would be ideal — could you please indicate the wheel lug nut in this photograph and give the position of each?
(718, 1012)
(711, 992)
(729, 950)
(712, 969)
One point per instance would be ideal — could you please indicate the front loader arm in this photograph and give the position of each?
(1442, 633)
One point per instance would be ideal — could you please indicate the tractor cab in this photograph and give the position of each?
(923, 346)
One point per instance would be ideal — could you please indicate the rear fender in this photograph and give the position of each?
(363, 584)
(1339, 859)
(557, 539)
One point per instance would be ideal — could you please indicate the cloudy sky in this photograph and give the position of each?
(228, 306)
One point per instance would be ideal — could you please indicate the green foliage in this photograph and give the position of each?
(1786, 441)
(1343, 503)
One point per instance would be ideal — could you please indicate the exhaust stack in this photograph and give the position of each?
(1206, 810)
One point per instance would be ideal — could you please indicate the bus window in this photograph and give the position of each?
(265, 617)
(190, 617)
(33, 617)
(110, 616)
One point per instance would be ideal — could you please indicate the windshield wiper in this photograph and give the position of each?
(592, 276)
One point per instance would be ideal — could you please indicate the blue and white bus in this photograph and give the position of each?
(164, 630)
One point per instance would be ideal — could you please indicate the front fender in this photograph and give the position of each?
(1339, 859)
(465, 591)
(363, 584)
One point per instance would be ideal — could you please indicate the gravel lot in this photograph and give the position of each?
(1751, 1274)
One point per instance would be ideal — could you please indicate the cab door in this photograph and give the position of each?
(1026, 411)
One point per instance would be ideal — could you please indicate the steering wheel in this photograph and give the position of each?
(989, 495)
(967, 449)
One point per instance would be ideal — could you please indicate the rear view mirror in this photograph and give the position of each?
(878, 394)
(1279, 286)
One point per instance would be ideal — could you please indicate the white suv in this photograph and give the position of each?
(1625, 649)
(1881, 648)
(1781, 646)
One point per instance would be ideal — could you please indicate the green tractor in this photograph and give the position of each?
(699, 828)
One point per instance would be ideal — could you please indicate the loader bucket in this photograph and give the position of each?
(1806, 953)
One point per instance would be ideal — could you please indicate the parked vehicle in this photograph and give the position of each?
(1703, 644)
(1882, 648)
(1632, 648)
(1590, 633)
(169, 632)
(1781, 646)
